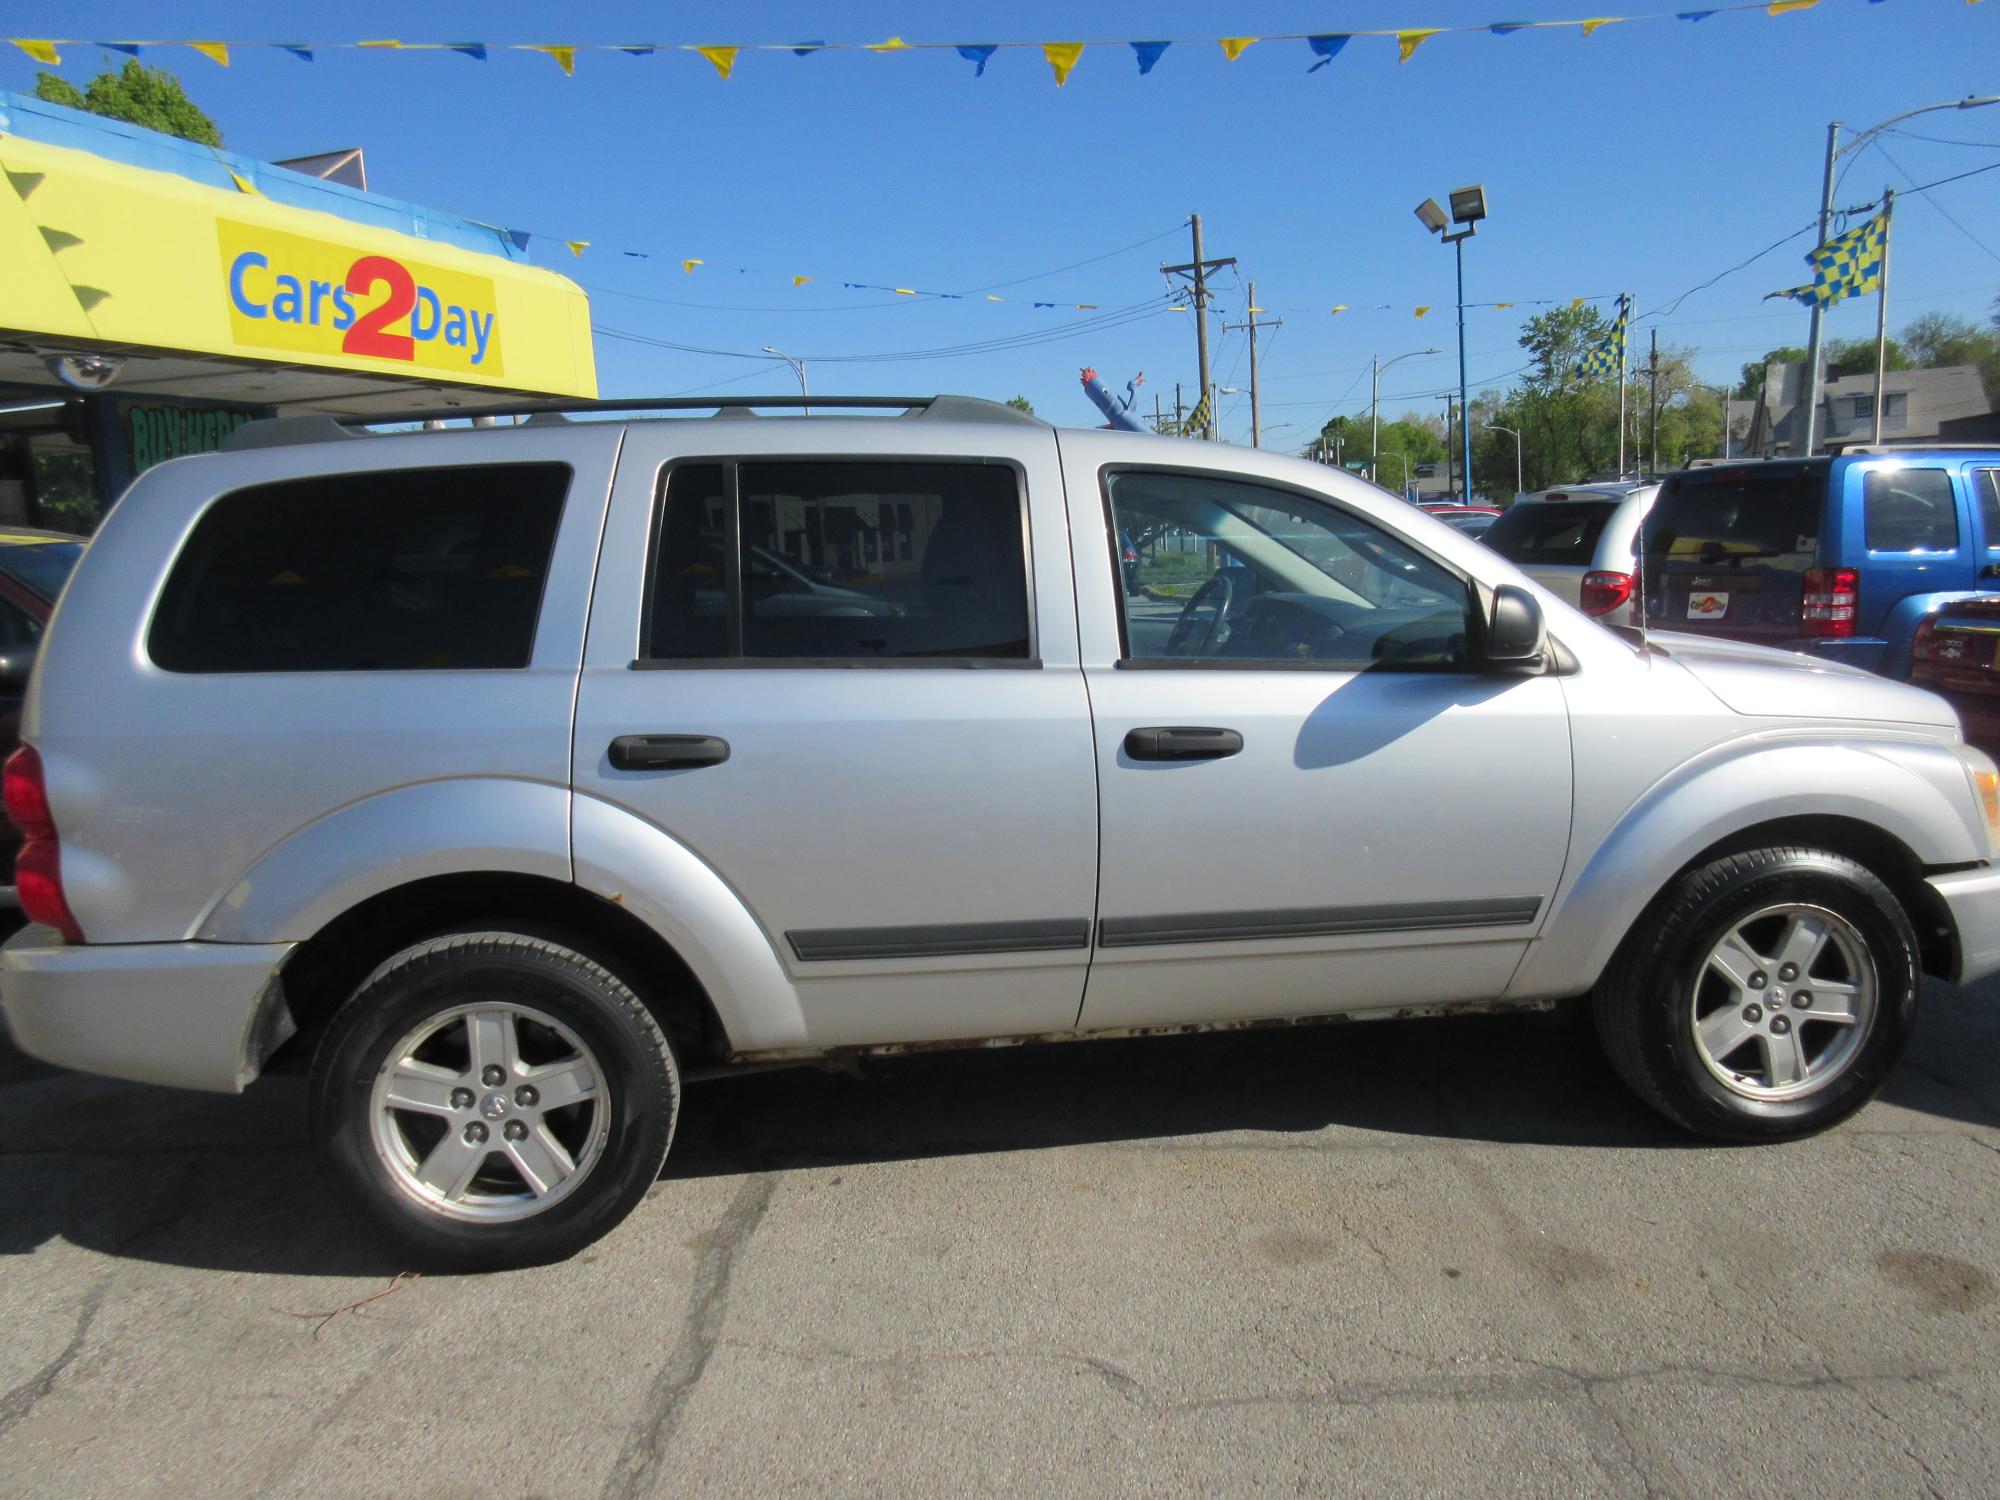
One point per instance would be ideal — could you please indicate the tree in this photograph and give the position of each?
(138, 94)
(1857, 357)
(1021, 403)
(1751, 386)
(1939, 341)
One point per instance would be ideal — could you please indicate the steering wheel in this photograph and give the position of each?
(1182, 641)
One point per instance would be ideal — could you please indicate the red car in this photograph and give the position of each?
(34, 566)
(1956, 653)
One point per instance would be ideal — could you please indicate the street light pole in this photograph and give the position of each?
(1464, 406)
(1496, 427)
(1468, 207)
(798, 369)
(1833, 151)
(1375, 369)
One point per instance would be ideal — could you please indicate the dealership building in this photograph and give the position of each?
(156, 294)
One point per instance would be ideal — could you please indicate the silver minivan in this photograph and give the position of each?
(1579, 542)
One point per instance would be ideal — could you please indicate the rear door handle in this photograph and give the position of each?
(1182, 742)
(667, 752)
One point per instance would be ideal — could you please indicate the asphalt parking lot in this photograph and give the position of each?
(1414, 1257)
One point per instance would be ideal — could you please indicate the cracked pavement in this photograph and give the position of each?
(1417, 1257)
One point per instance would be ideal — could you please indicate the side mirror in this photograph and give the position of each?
(1516, 638)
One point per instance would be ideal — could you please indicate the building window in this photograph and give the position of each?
(1864, 407)
(840, 560)
(1895, 408)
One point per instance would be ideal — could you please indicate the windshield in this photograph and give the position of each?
(1727, 517)
(43, 567)
(1561, 532)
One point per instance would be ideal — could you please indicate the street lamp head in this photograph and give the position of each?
(1431, 216)
(1468, 204)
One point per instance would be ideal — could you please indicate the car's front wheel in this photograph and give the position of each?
(491, 1099)
(1765, 996)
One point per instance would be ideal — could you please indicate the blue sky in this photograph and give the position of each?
(1649, 156)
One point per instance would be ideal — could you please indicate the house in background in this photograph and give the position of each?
(1949, 405)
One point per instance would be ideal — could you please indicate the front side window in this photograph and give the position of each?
(1986, 482)
(1910, 510)
(1229, 572)
(840, 560)
(381, 570)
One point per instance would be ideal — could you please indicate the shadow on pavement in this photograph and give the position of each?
(228, 1183)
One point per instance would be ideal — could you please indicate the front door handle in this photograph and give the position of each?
(667, 752)
(1182, 742)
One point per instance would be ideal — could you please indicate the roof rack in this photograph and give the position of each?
(321, 427)
(1915, 445)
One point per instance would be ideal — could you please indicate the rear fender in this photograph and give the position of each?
(1899, 627)
(1914, 791)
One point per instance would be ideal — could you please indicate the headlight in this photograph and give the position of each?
(1985, 779)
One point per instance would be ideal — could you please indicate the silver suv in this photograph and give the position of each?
(1580, 543)
(515, 776)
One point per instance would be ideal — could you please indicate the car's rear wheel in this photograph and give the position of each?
(1765, 996)
(491, 1099)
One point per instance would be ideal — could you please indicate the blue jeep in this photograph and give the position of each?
(1841, 557)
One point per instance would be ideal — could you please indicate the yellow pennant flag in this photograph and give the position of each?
(244, 184)
(1576, 302)
(41, 52)
(894, 44)
(1062, 57)
(1408, 41)
(1424, 309)
(991, 298)
(1499, 305)
(378, 44)
(1779, 7)
(215, 52)
(565, 57)
(1234, 47)
(1086, 307)
(577, 247)
(800, 280)
(903, 291)
(1597, 21)
(724, 59)
(689, 265)
(1341, 309)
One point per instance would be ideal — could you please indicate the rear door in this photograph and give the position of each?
(876, 634)
(1725, 550)
(1915, 532)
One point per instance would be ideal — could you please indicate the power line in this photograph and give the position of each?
(1949, 217)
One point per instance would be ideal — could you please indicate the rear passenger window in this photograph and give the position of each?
(392, 570)
(838, 560)
(1986, 483)
(1910, 510)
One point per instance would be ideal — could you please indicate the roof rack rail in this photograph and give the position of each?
(319, 427)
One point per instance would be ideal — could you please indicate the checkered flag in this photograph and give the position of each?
(1847, 266)
(1607, 360)
(1197, 420)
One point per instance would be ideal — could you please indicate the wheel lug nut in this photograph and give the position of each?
(1779, 1025)
(1788, 973)
(1803, 1000)
(461, 1098)
(492, 1075)
(1753, 1013)
(1759, 979)
(526, 1097)
(515, 1130)
(475, 1132)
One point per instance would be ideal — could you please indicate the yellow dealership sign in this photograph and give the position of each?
(96, 251)
(310, 296)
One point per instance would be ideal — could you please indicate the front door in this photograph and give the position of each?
(1314, 801)
(844, 676)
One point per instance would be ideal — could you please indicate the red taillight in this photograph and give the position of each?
(38, 867)
(1827, 607)
(1604, 592)
(1128, 555)
(1923, 646)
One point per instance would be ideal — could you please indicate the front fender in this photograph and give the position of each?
(472, 826)
(1915, 791)
(639, 866)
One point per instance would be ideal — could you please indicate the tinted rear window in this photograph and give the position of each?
(43, 566)
(378, 571)
(1551, 532)
(1766, 516)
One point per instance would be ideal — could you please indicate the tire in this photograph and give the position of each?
(487, 1100)
(1707, 1015)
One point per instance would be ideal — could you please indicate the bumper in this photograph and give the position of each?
(193, 1015)
(1973, 898)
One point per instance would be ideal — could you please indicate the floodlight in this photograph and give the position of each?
(1432, 216)
(1468, 204)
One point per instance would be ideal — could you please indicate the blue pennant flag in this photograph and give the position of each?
(1507, 28)
(518, 238)
(639, 254)
(130, 49)
(1327, 48)
(1692, 15)
(638, 51)
(806, 49)
(980, 54)
(1148, 53)
(301, 52)
(474, 50)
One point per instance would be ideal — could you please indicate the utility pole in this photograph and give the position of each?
(1624, 313)
(1450, 480)
(1250, 322)
(1156, 411)
(1882, 314)
(1653, 376)
(1180, 418)
(1197, 271)
(1818, 312)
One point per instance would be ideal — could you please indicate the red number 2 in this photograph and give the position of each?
(366, 336)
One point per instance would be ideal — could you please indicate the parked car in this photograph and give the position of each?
(1956, 654)
(34, 565)
(1578, 542)
(424, 757)
(1840, 557)
(1472, 523)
